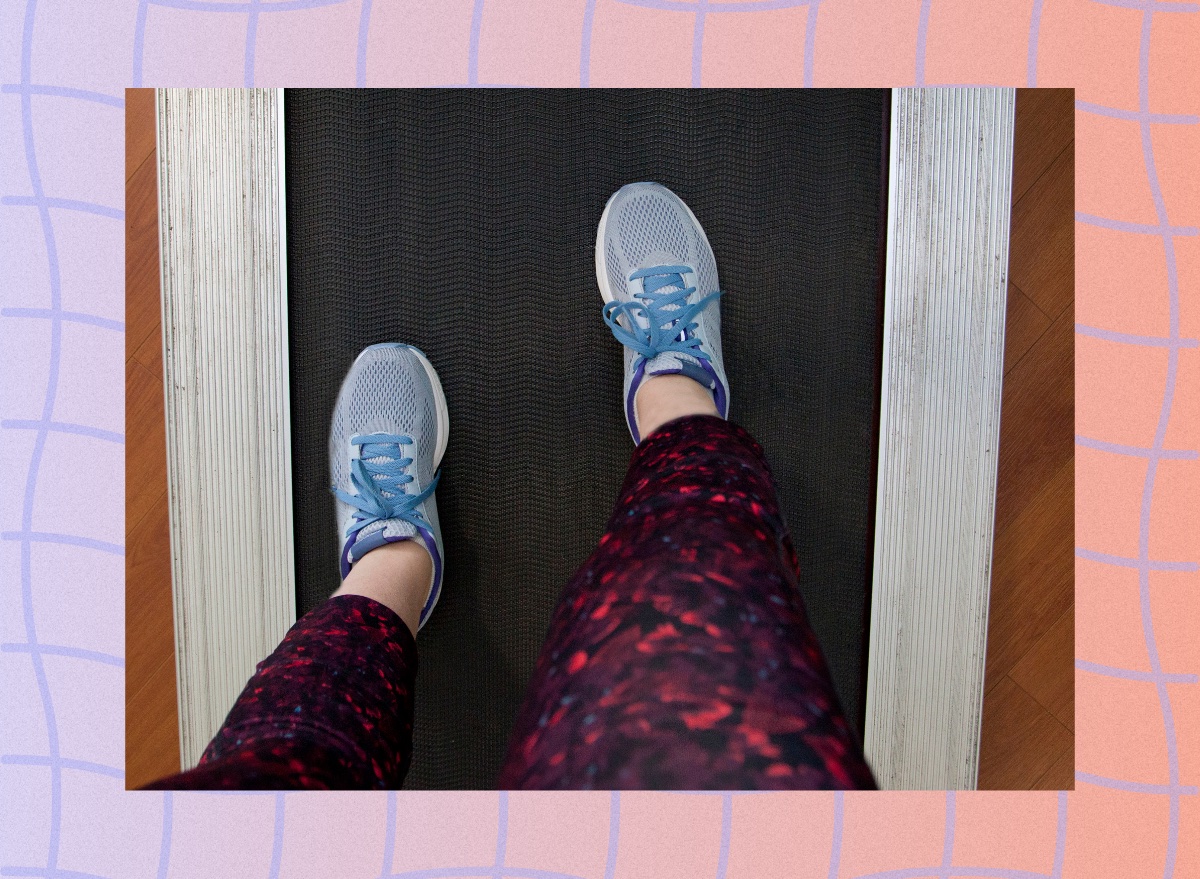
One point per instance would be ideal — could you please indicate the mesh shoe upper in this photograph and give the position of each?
(387, 393)
(646, 225)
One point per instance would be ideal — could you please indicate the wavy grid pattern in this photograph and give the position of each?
(64, 813)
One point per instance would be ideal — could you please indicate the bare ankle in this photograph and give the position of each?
(398, 575)
(664, 398)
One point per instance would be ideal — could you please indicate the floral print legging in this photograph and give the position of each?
(679, 657)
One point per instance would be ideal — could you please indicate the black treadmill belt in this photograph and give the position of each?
(464, 222)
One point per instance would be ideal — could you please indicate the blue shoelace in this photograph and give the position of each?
(380, 468)
(671, 322)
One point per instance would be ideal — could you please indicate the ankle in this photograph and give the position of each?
(398, 575)
(664, 398)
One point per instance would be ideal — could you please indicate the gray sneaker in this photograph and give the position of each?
(390, 427)
(658, 277)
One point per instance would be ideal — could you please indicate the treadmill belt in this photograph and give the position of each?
(463, 222)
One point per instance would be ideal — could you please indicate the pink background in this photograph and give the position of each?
(63, 70)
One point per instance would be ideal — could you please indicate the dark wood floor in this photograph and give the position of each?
(1029, 702)
(1028, 716)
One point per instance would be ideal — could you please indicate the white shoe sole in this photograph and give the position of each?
(439, 402)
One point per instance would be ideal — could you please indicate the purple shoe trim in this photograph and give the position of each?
(630, 415)
(434, 591)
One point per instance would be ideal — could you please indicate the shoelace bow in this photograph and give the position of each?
(379, 479)
(670, 321)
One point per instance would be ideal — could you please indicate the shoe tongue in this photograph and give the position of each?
(398, 528)
(377, 455)
(664, 311)
(668, 361)
(677, 362)
(672, 361)
(384, 530)
(378, 533)
(660, 257)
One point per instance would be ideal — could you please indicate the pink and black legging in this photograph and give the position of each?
(679, 657)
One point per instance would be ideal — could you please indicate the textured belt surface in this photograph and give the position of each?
(464, 222)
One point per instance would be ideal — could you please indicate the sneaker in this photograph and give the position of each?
(390, 427)
(658, 277)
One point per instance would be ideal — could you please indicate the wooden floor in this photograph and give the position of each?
(1029, 703)
(151, 716)
(1028, 716)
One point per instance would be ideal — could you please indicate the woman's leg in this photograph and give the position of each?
(332, 707)
(679, 655)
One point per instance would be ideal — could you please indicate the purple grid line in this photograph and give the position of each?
(58, 91)
(614, 831)
(69, 316)
(922, 33)
(230, 793)
(473, 43)
(139, 41)
(70, 204)
(1132, 339)
(251, 42)
(719, 7)
(1137, 228)
(39, 445)
(714, 793)
(1121, 561)
(64, 427)
(501, 834)
(1035, 29)
(959, 84)
(164, 846)
(1130, 674)
(948, 837)
(63, 650)
(810, 42)
(250, 6)
(1135, 451)
(48, 873)
(835, 844)
(1137, 115)
(498, 869)
(76, 765)
(28, 537)
(701, 9)
(585, 46)
(1137, 787)
(1060, 837)
(389, 836)
(1160, 208)
(1149, 5)
(480, 85)
(698, 43)
(456, 872)
(726, 832)
(277, 838)
(921, 872)
(364, 30)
